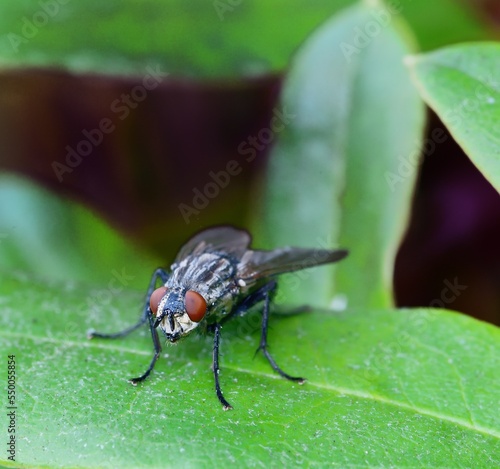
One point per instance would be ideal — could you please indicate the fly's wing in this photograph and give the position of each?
(221, 238)
(258, 264)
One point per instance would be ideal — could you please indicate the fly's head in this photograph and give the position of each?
(178, 312)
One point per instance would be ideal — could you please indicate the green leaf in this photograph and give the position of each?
(197, 38)
(437, 23)
(61, 240)
(461, 84)
(384, 389)
(343, 171)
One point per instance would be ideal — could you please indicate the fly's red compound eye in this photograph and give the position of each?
(156, 297)
(196, 306)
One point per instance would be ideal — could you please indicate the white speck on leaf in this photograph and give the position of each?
(339, 302)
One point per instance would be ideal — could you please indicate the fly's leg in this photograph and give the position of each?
(218, 391)
(91, 334)
(158, 273)
(263, 294)
(157, 348)
(263, 337)
(147, 315)
(251, 300)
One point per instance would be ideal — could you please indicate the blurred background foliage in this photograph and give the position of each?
(60, 78)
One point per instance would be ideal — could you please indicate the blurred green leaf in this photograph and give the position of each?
(196, 38)
(385, 388)
(61, 240)
(343, 171)
(437, 23)
(462, 85)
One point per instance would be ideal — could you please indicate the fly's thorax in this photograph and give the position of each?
(212, 275)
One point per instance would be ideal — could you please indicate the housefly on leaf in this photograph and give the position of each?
(216, 277)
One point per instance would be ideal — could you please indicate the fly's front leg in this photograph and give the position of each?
(271, 287)
(215, 366)
(157, 348)
(247, 303)
(147, 315)
(91, 334)
(158, 274)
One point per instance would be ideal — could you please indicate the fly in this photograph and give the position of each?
(216, 277)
